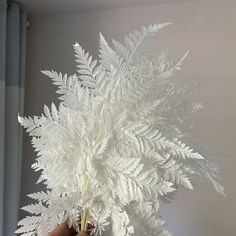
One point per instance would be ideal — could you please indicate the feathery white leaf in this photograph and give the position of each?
(114, 146)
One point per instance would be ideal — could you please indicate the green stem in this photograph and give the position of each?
(84, 220)
(85, 213)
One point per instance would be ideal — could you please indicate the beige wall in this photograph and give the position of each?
(208, 29)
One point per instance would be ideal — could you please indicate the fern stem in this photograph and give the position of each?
(84, 220)
(85, 213)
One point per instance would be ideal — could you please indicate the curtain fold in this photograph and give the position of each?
(13, 24)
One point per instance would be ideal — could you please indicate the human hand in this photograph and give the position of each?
(63, 230)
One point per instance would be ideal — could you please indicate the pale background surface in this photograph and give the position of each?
(208, 29)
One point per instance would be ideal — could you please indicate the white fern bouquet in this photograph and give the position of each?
(113, 148)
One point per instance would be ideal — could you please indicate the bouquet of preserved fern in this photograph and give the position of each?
(113, 147)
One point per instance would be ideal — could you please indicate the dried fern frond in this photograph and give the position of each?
(113, 147)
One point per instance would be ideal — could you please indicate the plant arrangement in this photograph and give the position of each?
(113, 148)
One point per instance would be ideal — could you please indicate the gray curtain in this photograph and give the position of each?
(13, 25)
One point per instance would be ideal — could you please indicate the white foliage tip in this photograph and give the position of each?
(112, 148)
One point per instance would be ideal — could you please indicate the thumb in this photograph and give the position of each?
(81, 233)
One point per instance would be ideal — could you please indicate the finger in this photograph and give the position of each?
(62, 230)
(82, 234)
